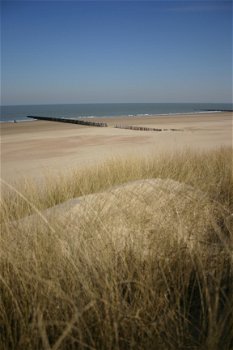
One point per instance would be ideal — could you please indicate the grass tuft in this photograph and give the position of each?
(147, 267)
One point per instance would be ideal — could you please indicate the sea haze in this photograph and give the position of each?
(20, 113)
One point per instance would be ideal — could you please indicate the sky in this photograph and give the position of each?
(115, 51)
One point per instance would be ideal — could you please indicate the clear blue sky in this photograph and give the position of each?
(116, 51)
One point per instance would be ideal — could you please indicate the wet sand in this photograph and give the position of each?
(35, 149)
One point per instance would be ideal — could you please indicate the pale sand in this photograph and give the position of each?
(33, 149)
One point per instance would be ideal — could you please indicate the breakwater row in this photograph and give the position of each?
(142, 128)
(72, 121)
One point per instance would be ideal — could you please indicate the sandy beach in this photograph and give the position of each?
(35, 149)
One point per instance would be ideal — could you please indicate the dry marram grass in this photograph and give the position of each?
(143, 265)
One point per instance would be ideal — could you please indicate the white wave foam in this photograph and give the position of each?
(17, 120)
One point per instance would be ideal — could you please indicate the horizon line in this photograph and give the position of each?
(95, 103)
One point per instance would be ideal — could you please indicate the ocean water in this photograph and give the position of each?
(20, 113)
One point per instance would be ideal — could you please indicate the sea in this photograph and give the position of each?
(92, 110)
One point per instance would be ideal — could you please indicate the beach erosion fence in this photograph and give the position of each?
(72, 121)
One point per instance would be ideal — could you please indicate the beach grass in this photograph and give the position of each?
(74, 286)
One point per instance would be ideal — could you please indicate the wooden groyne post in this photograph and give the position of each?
(133, 127)
(72, 121)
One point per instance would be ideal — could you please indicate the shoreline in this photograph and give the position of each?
(140, 115)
